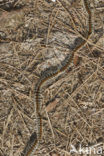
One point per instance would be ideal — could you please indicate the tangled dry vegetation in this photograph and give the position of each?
(36, 36)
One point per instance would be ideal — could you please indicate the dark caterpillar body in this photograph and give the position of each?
(90, 16)
(29, 143)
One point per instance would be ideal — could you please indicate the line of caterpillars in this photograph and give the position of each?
(45, 75)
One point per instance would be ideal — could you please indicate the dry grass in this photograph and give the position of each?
(33, 38)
